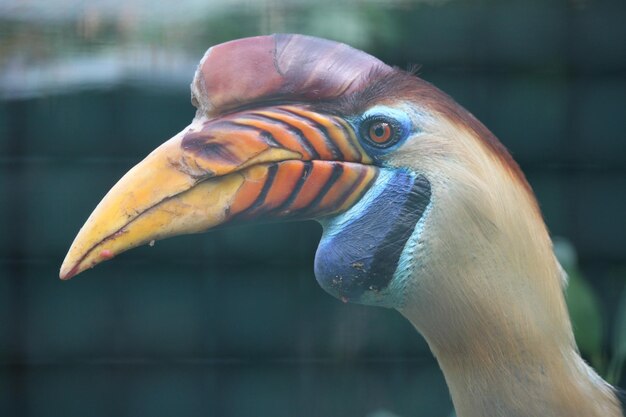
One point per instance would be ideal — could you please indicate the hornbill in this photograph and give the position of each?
(423, 210)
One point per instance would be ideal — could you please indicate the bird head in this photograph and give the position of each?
(404, 181)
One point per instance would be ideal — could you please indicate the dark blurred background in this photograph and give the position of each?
(232, 323)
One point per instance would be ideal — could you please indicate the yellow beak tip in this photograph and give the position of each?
(67, 271)
(66, 274)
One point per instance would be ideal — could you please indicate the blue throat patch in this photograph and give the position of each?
(360, 249)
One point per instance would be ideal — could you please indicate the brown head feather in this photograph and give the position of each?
(431, 97)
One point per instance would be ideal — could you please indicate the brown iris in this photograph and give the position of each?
(380, 132)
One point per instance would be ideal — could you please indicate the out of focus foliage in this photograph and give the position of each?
(616, 366)
(589, 321)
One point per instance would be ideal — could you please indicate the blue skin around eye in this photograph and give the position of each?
(402, 123)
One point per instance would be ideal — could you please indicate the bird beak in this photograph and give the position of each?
(268, 163)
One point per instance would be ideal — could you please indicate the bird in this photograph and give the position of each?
(423, 211)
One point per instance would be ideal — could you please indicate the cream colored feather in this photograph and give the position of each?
(487, 292)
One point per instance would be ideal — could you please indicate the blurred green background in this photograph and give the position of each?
(232, 323)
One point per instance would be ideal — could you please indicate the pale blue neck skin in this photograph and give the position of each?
(409, 262)
(346, 265)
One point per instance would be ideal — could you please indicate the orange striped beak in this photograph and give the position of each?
(275, 162)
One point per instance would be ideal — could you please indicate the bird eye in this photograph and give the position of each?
(380, 131)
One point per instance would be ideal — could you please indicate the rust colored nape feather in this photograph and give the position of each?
(280, 67)
(447, 106)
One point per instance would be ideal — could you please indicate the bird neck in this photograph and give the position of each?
(507, 369)
(492, 310)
